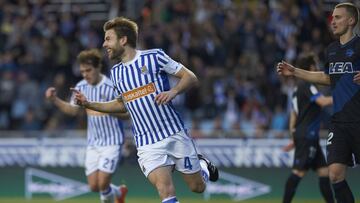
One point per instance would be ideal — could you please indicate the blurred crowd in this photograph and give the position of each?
(232, 46)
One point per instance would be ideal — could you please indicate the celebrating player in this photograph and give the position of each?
(140, 78)
(104, 134)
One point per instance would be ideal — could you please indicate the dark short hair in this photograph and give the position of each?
(123, 27)
(351, 9)
(91, 57)
(305, 61)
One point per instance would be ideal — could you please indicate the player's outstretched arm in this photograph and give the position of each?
(187, 80)
(122, 115)
(318, 77)
(114, 106)
(64, 106)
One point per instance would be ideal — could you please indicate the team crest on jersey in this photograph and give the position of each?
(340, 67)
(102, 97)
(349, 52)
(144, 70)
(143, 169)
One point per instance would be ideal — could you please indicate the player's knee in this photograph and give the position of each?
(197, 187)
(94, 187)
(336, 176)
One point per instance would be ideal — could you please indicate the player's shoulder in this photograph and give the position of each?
(333, 46)
(82, 83)
(107, 80)
(152, 51)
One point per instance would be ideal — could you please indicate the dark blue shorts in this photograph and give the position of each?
(343, 144)
(308, 155)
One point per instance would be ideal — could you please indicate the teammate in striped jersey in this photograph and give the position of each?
(140, 79)
(104, 132)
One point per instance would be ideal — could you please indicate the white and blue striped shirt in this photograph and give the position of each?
(138, 82)
(102, 129)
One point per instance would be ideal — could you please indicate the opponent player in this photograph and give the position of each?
(342, 73)
(104, 133)
(304, 127)
(141, 81)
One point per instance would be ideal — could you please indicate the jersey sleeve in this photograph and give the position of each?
(167, 64)
(313, 93)
(294, 102)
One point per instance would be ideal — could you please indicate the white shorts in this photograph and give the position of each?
(103, 158)
(178, 149)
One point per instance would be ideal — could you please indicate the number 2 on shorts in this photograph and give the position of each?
(330, 136)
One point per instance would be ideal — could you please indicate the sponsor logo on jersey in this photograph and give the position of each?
(349, 52)
(139, 92)
(341, 67)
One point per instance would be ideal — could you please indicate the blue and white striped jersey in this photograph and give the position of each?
(138, 82)
(102, 129)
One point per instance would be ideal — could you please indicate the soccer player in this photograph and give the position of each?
(141, 80)
(104, 132)
(342, 73)
(304, 127)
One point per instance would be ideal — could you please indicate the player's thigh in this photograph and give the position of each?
(184, 154)
(338, 148)
(319, 161)
(109, 158)
(302, 155)
(354, 129)
(92, 158)
(178, 150)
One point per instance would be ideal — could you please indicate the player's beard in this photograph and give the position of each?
(117, 53)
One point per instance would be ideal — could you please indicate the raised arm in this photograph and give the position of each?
(64, 106)
(318, 77)
(187, 80)
(114, 106)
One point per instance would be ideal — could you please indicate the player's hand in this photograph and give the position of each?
(165, 97)
(285, 69)
(357, 78)
(79, 98)
(288, 147)
(50, 93)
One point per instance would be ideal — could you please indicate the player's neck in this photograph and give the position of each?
(345, 38)
(129, 54)
(99, 79)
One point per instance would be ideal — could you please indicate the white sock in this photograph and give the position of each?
(107, 196)
(204, 171)
(116, 190)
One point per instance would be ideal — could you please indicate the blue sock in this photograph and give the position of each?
(170, 200)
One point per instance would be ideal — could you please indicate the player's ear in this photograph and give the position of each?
(123, 40)
(352, 21)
